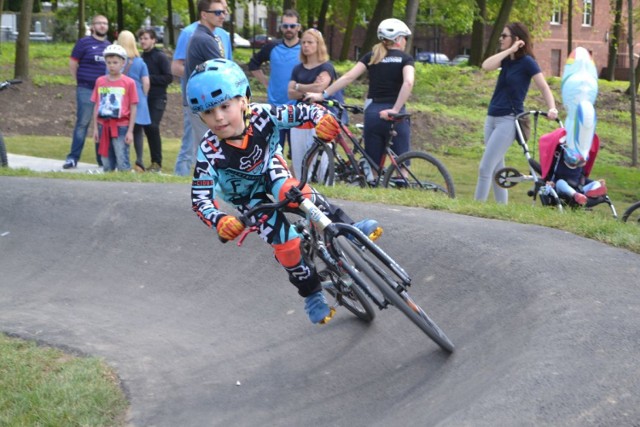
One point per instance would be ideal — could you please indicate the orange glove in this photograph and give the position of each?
(327, 128)
(229, 227)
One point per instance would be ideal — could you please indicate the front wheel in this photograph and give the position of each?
(632, 214)
(366, 264)
(420, 171)
(320, 165)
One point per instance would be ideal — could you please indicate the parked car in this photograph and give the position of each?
(260, 40)
(432, 58)
(239, 41)
(459, 60)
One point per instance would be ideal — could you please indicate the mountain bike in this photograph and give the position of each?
(339, 162)
(355, 271)
(3, 148)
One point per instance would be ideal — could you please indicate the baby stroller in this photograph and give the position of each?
(551, 149)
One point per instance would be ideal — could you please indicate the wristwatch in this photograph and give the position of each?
(325, 94)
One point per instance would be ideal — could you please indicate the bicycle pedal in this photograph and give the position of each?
(326, 320)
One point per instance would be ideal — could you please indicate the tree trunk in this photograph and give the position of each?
(501, 20)
(569, 27)
(614, 42)
(348, 34)
(288, 4)
(21, 68)
(383, 10)
(119, 17)
(81, 19)
(477, 34)
(193, 13)
(633, 77)
(170, 31)
(410, 20)
(322, 16)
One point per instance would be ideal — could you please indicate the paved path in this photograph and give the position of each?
(545, 323)
(18, 161)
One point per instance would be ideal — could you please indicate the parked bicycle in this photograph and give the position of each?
(341, 162)
(3, 148)
(354, 270)
(632, 214)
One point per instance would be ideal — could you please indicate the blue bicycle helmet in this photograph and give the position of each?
(214, 82)
(573, 158)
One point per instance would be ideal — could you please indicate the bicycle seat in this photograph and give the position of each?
(400, 116)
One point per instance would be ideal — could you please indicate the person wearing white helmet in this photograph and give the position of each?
(116, 100)
(239, 161)
(391, 78)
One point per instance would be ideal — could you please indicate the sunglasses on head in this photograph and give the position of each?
(289, 26)
(217, 12)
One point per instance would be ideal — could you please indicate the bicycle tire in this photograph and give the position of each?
(423, 172)
(629, 213)
(349, 296)
(320, 165)
(4, 162)
(369, 267)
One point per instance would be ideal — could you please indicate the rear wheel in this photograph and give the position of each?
(3, 153)
(366, 264)
(420, 171)
(632, 214)
(348, 295)
(320, 166)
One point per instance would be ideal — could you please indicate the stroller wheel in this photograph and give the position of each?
(507, 177)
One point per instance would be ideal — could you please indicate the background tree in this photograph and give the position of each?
(614, 41)
(410, 19)
(633, 87)
(81, 19)
(501, 20)
(477, 33)
(383, 10)
(348, 34)
(21, 67)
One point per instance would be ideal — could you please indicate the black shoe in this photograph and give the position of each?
(69, 164)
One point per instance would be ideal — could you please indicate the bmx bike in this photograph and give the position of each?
(355, 271)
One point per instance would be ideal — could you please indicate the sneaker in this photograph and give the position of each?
(597, 192)
(369, 228)
(316, 307)
(155, 167)
(69, 164)
(138, 167)
(580, 199)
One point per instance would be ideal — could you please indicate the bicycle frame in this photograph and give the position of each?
(358, 148)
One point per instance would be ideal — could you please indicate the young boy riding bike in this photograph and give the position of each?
(240, 161)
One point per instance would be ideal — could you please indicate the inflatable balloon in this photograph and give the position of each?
(579, 92)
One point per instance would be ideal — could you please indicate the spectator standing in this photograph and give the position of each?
(518, 68)
(282, 55)
(203, 46)
(186, 156)
(160, 77)
(86, 65)
(314, 73)
(137, 69)
(116, 98)
(391, 77)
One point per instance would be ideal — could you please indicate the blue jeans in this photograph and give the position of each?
(185, 159)
(118, 157)
(83, 120)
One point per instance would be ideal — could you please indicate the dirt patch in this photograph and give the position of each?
(51, 111)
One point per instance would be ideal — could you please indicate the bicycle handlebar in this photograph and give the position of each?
(5, 84)
(536, 113)
(335, 104)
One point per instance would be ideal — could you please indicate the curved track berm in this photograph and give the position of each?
(545, 323)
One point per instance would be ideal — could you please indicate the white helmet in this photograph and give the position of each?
(115, 49)
(392, 28)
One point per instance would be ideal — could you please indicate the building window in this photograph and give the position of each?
(587, 13)
(556, 17)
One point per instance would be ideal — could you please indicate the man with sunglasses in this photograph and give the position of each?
(186, 156)
(282, 55)
(203, 46)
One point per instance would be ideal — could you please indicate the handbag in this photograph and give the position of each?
(525, 127)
